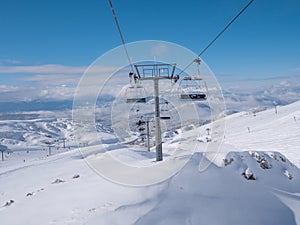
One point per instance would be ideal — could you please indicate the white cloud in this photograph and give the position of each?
(6, 88)
(57, 93)
(9, 62)
(43, 69)
(52, 79)
(28, 93)
(53, 69)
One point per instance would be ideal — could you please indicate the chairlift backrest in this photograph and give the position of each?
(192, 90)
(164, 111)
(193, 96)
(135, 94)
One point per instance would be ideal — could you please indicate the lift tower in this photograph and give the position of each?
(156, 72)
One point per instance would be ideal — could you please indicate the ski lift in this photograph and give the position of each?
(191, 89)
(140, 121)
(194, 96)
(192, 92)
(164, 112)
(135, 94)
(141, 129)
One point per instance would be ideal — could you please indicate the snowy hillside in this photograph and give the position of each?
(30, 130)
(267, 131)
(255, 180)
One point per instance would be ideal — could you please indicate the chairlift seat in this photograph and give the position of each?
(165, 114)
(141, 128)
(191, 78)
(136, 100)
(193, 96)
(140, 122)
(135, 94)
(165, 117)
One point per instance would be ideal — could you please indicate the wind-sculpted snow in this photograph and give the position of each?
(222, 196)
(219, 195)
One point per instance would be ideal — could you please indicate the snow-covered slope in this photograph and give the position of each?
(30, 130)
(255, 182)
(267, 131)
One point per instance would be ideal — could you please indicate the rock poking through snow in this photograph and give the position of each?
(76, 176)
(29, 194)
(9, 202)
(228, 161)
(288, 174)
(264, 164)
(248, 174)
(57, 181)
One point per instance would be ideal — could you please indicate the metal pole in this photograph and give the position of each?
(158, 141)
(148, 136)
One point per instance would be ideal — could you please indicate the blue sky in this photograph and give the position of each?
(42, 41)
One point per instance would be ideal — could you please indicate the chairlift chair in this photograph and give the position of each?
(194, 96)
(141, 129)
(164, 112)
(191, 90)
(135, 94)
(140, 122)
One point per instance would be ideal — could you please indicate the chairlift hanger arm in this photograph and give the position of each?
(173, 70)
(137, 71)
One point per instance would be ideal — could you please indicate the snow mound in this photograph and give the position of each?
(219, 195)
